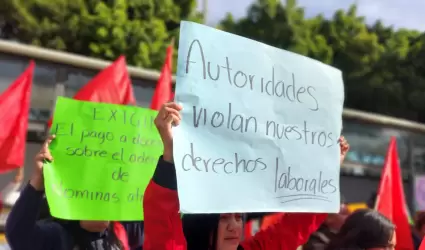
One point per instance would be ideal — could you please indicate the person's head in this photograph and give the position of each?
(94, 226)
(365, 229)
(212, 231)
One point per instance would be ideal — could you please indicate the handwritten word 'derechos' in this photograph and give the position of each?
(193, 162)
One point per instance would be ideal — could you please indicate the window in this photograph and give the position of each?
(74, 78)
(143, 91)
(43, 95)
(368, 148)
(10, 68)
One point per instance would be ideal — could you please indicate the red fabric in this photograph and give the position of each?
(422, 246)
(163, 225)
(163, 91)
(270, 220)
(112, 85)
(14, 108)
(251, 228)
(390, 200)
(121, 234)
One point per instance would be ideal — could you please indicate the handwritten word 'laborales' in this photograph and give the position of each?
(240, 79)
(306, 189)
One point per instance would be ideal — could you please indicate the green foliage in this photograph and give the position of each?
(139, 29)
(382, 66)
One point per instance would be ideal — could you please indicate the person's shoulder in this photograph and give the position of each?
(52, 228)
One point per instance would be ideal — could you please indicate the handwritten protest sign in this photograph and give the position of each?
(104, 156)
(260, 126)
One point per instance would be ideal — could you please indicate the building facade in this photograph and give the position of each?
(62, 74)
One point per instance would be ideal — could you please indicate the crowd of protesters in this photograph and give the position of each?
(29, 225)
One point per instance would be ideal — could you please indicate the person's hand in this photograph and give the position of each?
(168, 116)
(344, 146)
(37, 180)
(19, 175)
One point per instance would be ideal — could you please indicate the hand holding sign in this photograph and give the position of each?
(270, 142)
(37, 180)
(168, 115)
(343, 144)
(105, 156)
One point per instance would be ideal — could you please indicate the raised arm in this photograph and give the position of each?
(292, 231)
(22, 230)
(163, 225)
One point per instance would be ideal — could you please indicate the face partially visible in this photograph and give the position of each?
(94, 226)
(229, 231)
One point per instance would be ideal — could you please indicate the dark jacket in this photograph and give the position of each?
(320, 239)
(23, 231)
(165, 230)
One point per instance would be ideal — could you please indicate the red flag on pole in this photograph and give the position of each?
(163, 91)
(14, 105)
(390, 200)
(111, 85)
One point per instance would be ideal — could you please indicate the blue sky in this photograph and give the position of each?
(399, 13)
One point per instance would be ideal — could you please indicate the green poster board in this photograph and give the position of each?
(104, 157)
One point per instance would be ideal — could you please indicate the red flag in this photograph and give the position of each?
(14, 106)
(390, 200)
(111, 85)
(422, 246)
(163, 91)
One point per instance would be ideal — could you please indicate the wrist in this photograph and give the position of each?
(37, 182)
(168, 156)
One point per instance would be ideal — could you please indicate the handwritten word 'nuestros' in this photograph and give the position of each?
(243, 124)
(240, 79)
(132, 118)
(192, 162)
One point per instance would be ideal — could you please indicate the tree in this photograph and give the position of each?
(381, 66)
(268, 21)
(139, 29)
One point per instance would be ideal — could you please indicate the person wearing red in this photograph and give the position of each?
(166, 229)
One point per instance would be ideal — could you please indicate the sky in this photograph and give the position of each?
(398, 13)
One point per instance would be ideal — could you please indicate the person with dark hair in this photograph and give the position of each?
(365, 229)
(166, 230)
(320, 239)
(24, 230)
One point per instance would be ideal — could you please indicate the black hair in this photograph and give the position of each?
(83, 240)
(200, 231)
(363, 229)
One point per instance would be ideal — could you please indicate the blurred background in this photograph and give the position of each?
(379, 46)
